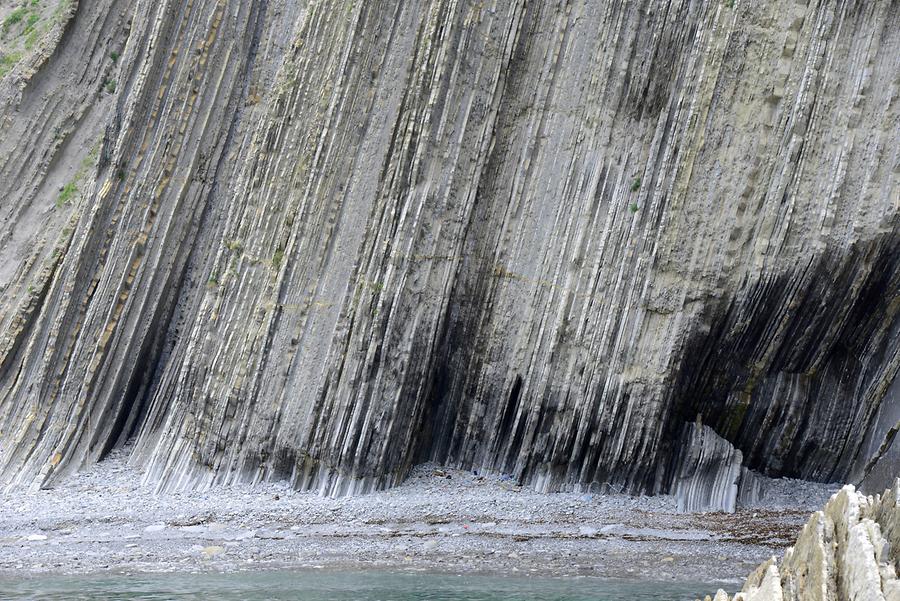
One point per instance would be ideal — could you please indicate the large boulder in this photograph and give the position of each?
(846, 552)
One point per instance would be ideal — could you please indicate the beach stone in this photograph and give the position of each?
(269, 534)
(212, 550)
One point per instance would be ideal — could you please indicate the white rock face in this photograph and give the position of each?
(709, 471)
(848, 551)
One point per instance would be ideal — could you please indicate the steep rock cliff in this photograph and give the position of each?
(324, 240)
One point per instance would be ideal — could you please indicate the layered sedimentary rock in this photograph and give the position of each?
(849, 550)
(709, 474)
(325, 240)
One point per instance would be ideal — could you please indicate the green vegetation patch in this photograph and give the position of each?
(66, 195)
(14, 18)
(8, 61)
(24, 27)
(277, 258)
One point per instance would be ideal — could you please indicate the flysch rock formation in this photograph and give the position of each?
(850, 550)
(323, 240)
(709, 472)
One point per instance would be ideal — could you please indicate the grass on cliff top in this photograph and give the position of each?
(13, 18)
(24, 26)
(7, 61)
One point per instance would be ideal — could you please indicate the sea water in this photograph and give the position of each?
(341, 586)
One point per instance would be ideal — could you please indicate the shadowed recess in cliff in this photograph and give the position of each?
(813, 350)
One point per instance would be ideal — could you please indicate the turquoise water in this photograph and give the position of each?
(341, 586)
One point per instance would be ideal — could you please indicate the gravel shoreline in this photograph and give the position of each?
(438, 520)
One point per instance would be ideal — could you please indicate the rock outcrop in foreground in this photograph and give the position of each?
(848, 551)
(648, 246)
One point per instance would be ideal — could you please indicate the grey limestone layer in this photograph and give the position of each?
(323, 241)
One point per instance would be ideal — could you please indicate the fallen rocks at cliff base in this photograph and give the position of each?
(848, 551)
(105, 520)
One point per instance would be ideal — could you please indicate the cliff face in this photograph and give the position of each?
(325, 240)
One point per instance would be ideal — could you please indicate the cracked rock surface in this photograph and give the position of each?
(848, 550)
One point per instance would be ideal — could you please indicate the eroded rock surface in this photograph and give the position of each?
(709, 471)
(323, 240)
(847, 551)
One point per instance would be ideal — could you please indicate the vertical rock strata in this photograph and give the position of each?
(325, 240)
(709, 473)
(849, 550)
